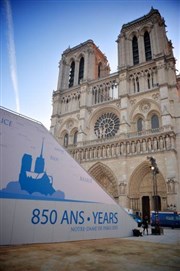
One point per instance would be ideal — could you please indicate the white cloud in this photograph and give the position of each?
(12, 52)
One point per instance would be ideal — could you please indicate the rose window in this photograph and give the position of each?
(107, 125)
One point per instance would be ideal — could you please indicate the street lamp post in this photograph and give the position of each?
(155, 171)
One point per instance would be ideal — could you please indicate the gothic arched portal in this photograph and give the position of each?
(140, 192)
(105, 178)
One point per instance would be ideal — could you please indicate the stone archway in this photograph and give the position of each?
(105, 178)
(140, 192)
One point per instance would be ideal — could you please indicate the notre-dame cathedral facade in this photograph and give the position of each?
(111, 123)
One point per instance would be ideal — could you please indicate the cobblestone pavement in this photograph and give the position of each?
(147, 253)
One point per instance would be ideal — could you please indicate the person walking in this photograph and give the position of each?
(145, 225)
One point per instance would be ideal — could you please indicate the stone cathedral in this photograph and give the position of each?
(111, 122)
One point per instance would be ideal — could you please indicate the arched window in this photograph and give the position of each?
(154, 122)
(134, 85)
(99, 69)
(81, 69)
(135, 50)
(137, 84)
(71, 74)
(140, 125)
(66, 138)
(148, 81)
(95, 95)
(147, 46)
(75, 138)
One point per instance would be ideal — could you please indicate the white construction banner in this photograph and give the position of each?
(45, 195)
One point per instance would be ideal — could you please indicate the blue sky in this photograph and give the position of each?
(34, 34)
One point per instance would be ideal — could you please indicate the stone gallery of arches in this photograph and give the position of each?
(110, 123)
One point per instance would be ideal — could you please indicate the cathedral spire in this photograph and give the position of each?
(39, 164)
(42, 147)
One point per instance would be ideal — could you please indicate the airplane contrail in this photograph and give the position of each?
(12, 52)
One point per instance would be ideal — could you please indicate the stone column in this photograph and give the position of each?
(76, 74)
(141, 49)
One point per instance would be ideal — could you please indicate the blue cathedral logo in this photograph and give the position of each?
(37, 180)
(32, 184)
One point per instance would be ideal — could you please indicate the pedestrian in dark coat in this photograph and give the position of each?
(145, 225)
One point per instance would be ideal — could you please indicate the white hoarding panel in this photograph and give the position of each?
(45, 195)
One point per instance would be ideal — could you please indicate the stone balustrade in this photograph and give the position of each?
(126, 147)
